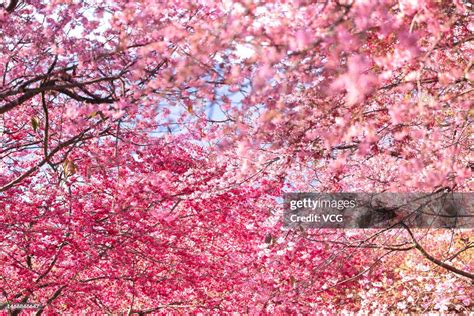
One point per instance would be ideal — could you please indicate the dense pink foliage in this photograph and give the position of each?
(145, 146)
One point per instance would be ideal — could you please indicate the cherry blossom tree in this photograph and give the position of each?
(145, 148)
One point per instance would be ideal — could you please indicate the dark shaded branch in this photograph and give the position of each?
(52, 86)
(50, 300)
(437, 261)
(77, 97)
(11, 105)
(11, 7)
(46, 159)
(46, 127)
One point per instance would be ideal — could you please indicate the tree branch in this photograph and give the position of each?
(434, 260)
(12, 6)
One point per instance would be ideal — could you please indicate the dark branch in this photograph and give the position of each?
(437, 261)
(12, 6)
